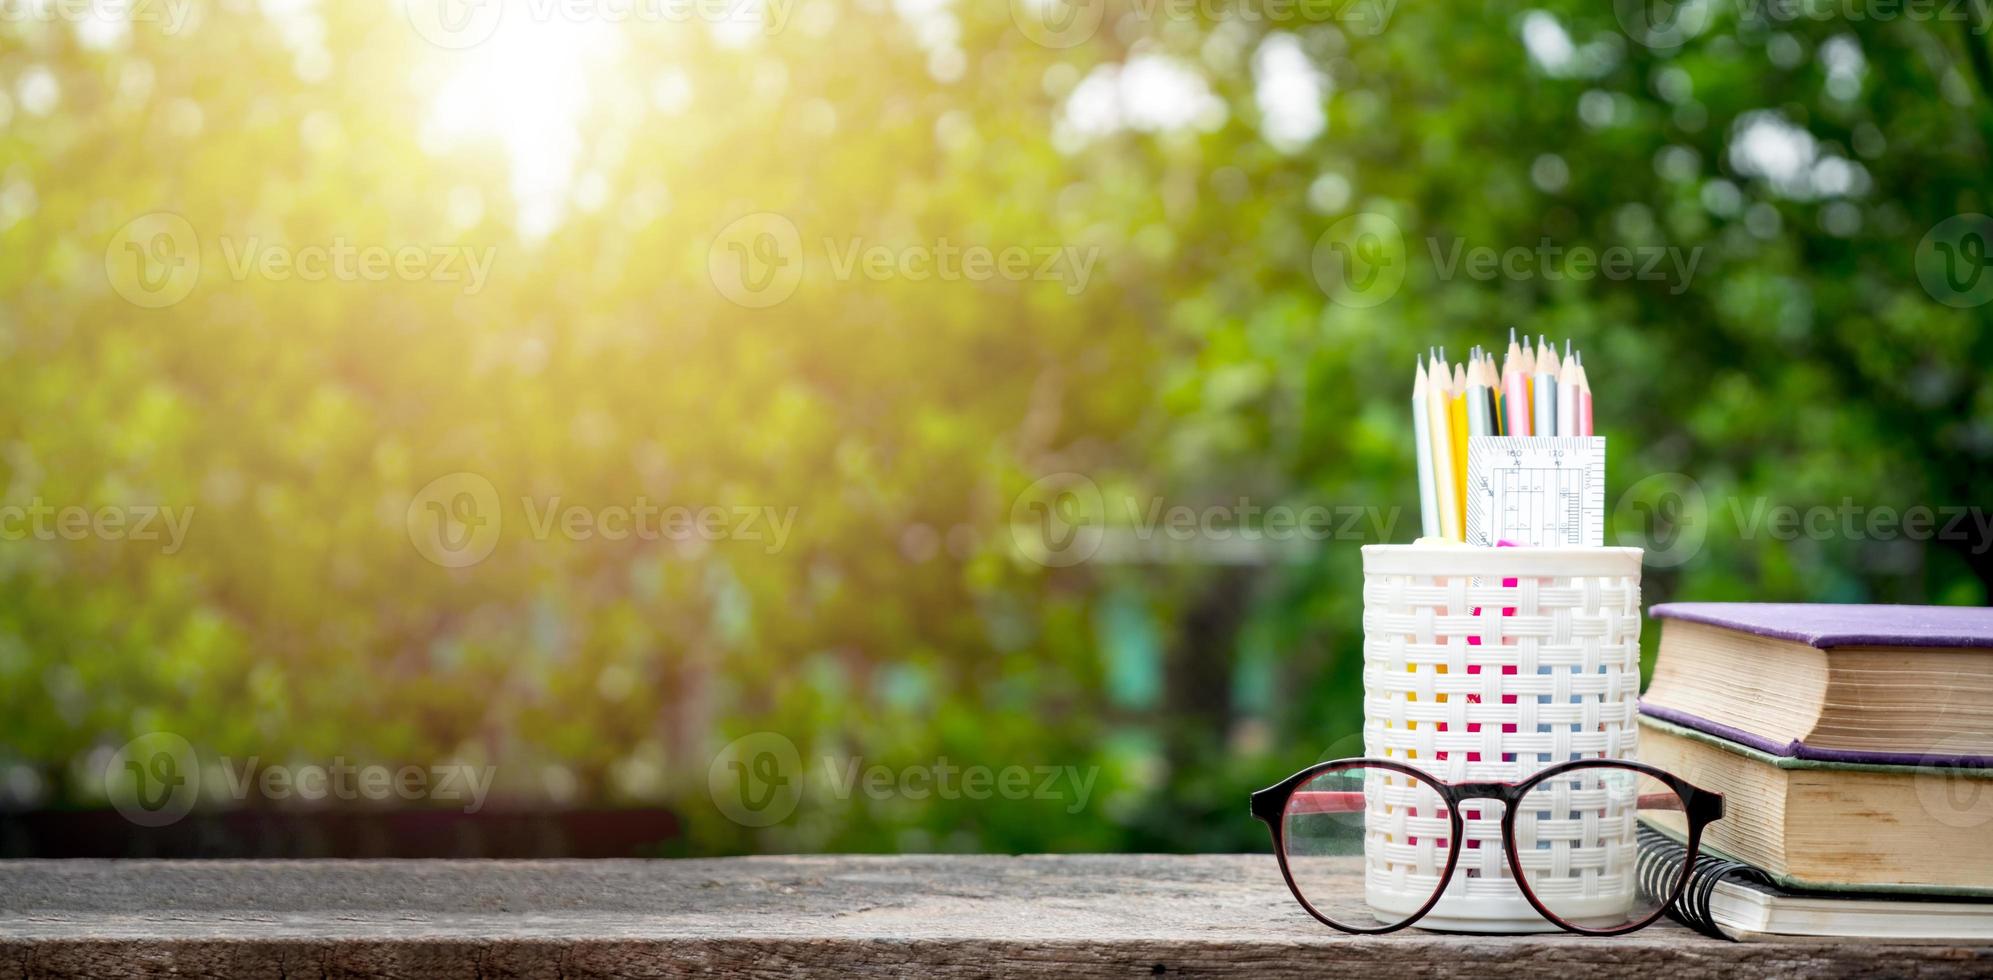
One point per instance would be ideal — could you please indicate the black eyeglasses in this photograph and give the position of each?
(1370, 845)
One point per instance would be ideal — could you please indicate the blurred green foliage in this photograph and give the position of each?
(1804, 363)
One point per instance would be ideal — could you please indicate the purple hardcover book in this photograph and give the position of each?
(1826, 625)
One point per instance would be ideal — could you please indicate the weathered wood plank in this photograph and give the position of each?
(1091, 915)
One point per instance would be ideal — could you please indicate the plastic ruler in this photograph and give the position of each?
(1544, 491)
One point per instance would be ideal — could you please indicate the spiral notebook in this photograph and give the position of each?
(1732, 900)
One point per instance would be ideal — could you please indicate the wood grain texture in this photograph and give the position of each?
(1091, 915)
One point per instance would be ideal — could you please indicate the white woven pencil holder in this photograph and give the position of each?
(1487, 665)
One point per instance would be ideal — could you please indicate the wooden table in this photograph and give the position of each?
(1092, 915)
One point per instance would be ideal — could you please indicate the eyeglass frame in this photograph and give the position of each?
(1701, 806)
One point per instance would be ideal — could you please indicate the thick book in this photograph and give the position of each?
(1731, 900)
(1814, 825)
(1894, 685)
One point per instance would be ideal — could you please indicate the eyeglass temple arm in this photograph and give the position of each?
(1325, 801)
(1351, 801)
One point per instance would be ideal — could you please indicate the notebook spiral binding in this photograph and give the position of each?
(1661, 863)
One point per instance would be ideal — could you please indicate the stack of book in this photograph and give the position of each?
(1852, 745)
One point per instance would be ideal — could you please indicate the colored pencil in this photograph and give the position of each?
(1479, 421)
(1491, 392)
(1439, 417)
(1527, 365)
(1544, 385)
(1458, 392)
(1422, 443)
(1567, 396)
(1515, 397)
(1584, 398)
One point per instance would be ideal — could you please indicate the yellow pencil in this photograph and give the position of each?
(1527, 365)
(1458, 416)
